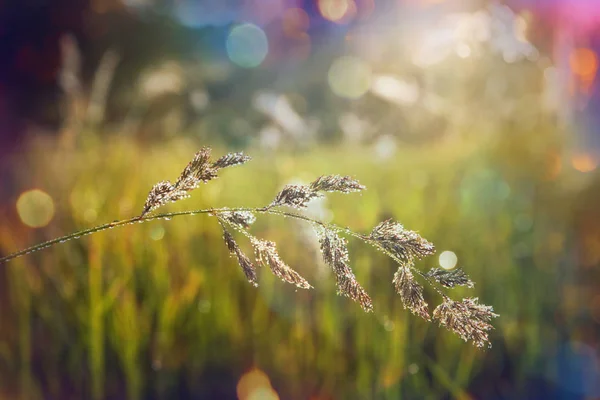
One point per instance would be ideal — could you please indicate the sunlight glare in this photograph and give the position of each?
(448, 260)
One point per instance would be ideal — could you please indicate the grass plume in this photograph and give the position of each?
(466, 318)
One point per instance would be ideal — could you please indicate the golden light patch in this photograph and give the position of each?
(252, 384)
(584, 163)
(35, 208)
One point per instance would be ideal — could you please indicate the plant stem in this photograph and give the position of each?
(311, 220)
(142, 219)
(258, 210)
(99, 228)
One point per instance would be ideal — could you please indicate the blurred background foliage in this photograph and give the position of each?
(469, 121)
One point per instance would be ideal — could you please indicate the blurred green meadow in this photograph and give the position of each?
(160, 310)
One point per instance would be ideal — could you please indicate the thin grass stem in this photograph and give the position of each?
(147, 218)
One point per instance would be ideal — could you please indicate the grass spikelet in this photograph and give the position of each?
(335, 254)
(230, 160)
(466, 318)
(200, 169)
(295, 196)
(411, 292)
(404, 244)
(450, 278)
(243, 260)
(336, 183)
(160, 194)
(239, 219)
(267, 256)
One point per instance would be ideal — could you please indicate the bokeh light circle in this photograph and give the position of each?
(253, 384)
(157, 232)
(584, 162)
(263, 394)
(200, 13)
(295, 22)
(247, 45)
(35, 208)
(338, 11)
(349, 77)
(448, 260)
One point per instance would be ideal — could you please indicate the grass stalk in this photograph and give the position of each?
(467, 318)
